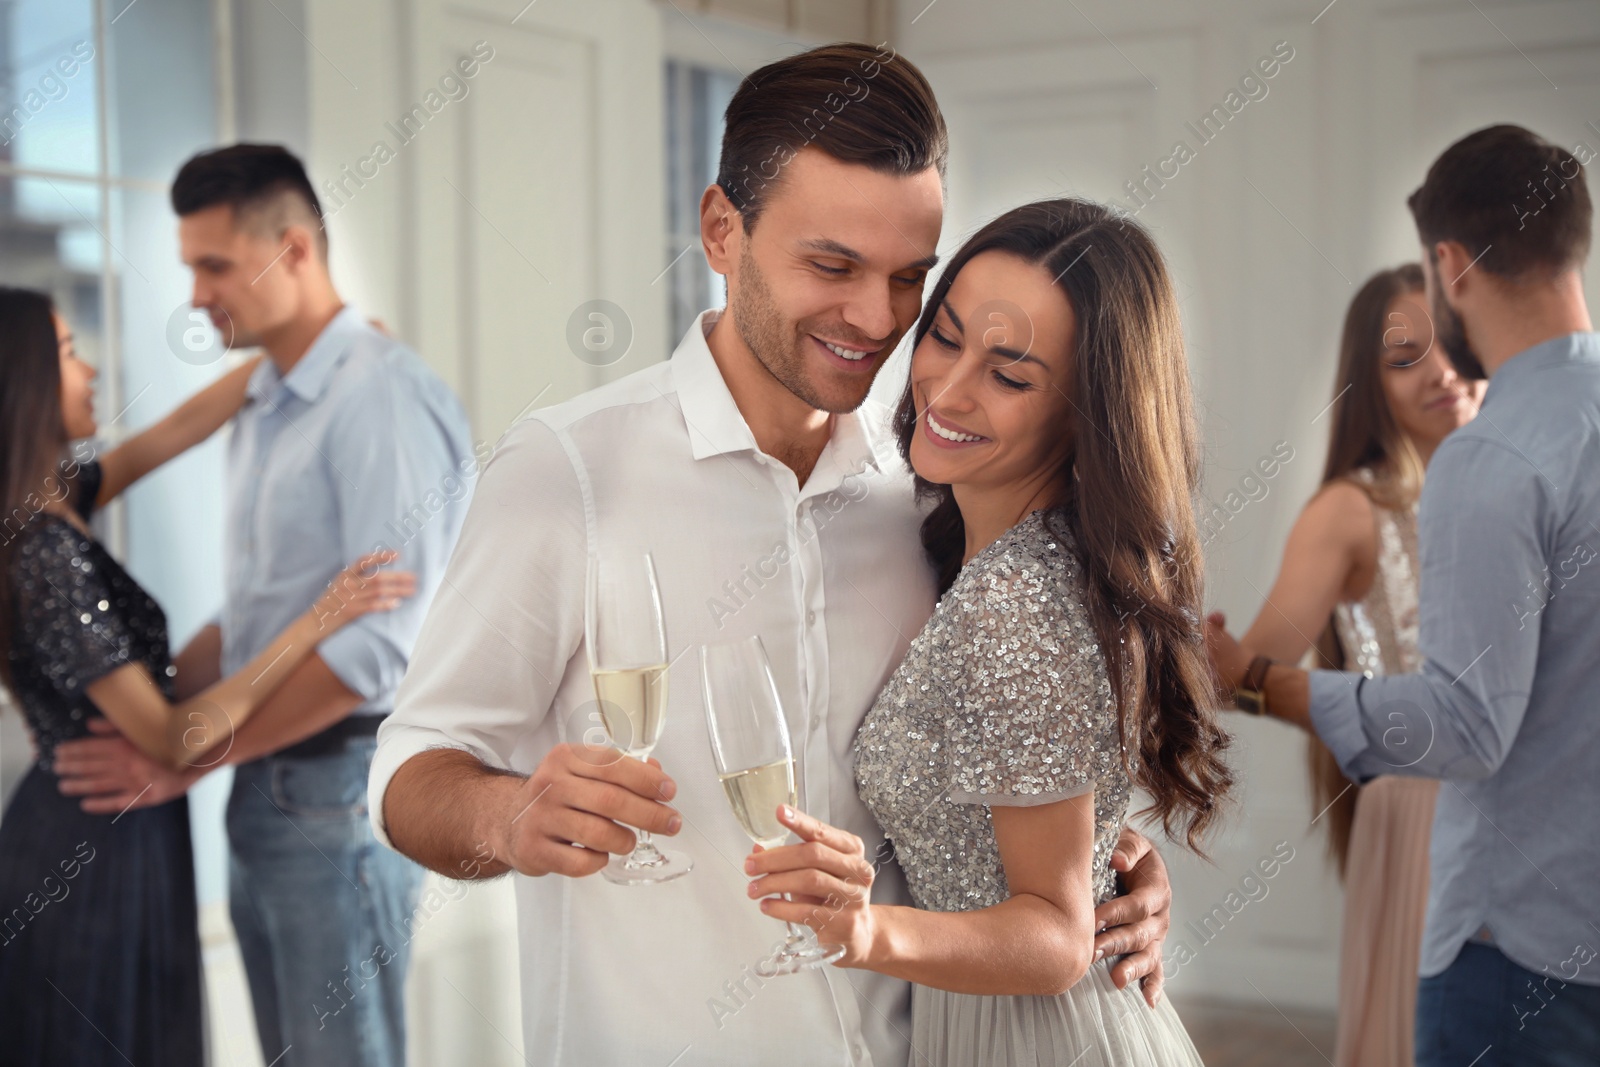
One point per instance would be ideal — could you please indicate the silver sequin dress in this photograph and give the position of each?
(1003, 699)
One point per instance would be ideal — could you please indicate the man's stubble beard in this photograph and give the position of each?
(1450, 333)
(771, 340)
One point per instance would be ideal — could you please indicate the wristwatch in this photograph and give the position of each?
(1251, 696)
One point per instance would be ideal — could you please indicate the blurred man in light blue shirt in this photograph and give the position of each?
(348, 443)
(358, 446)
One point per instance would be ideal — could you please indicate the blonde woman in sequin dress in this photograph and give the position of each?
(1048, 418)
(1349, 572)
(99, 946)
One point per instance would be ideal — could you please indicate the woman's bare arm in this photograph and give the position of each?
(190, 423)
(1330, 557)
(178, 735)
(1039, 941)
(113, 775)
(199, 664)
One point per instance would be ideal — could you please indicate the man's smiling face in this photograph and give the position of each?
(829, 279)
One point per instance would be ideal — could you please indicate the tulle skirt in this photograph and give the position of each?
(1093, 1024)
(1385, 903)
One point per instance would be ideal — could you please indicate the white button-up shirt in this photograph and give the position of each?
(831, 575)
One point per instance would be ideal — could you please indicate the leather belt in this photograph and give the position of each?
(351, 727)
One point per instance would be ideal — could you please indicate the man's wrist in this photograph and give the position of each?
(1291, 695)
(497, 812)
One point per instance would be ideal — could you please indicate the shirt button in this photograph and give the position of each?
(811, 617)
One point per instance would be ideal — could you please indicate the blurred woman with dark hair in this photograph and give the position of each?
(1349, 574)
(1049, 420)
(99, 949)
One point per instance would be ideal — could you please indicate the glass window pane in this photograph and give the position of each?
(48, 241)
(48, 88)
(696, 98)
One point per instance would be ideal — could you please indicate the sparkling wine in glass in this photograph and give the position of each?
(627, 645)
(750, 744)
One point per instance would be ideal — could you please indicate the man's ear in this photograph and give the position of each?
(1452, 262)
(721, 229)
(303, 250)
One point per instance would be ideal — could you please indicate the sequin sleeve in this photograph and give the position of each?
(1032, 711)
(65, 620)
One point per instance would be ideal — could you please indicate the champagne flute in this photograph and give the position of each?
(627, 646)
(750, 743)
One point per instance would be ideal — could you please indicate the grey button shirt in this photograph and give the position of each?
(1506, 707)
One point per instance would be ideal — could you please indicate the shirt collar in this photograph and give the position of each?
(309, 377)
(1567, 348)
(715, 423)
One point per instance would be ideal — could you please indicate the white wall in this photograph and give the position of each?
(1269, 229)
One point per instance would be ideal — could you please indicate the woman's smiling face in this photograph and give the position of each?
(990, 378)
(1427, 396)
(77, 386)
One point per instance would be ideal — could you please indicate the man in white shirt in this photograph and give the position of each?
(774, 503)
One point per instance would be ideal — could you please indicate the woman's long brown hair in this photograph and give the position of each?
(32, 431)
(1364, 433)
(1125, 492)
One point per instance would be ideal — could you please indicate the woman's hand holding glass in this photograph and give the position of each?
(750, 746)
(829, 881)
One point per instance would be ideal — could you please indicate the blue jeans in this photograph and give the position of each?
(1522, 1018)
(323, 912)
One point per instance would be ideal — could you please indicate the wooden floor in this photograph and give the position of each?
(1233, 1035)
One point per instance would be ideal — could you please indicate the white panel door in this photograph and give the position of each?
(546, 198)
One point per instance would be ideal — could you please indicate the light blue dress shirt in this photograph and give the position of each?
(359, 447)
(1506, 707)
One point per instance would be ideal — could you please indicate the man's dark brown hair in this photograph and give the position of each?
(1510, 197)
(857, 103)
(253, 180)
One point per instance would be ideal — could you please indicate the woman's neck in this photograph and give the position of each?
(986, 514)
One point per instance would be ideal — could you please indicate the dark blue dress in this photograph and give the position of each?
(99, 943)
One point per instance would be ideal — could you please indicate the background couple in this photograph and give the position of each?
(337, 429)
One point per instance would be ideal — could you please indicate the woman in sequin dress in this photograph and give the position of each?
(1048, 418)
(1349, 573)
(99, 949)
